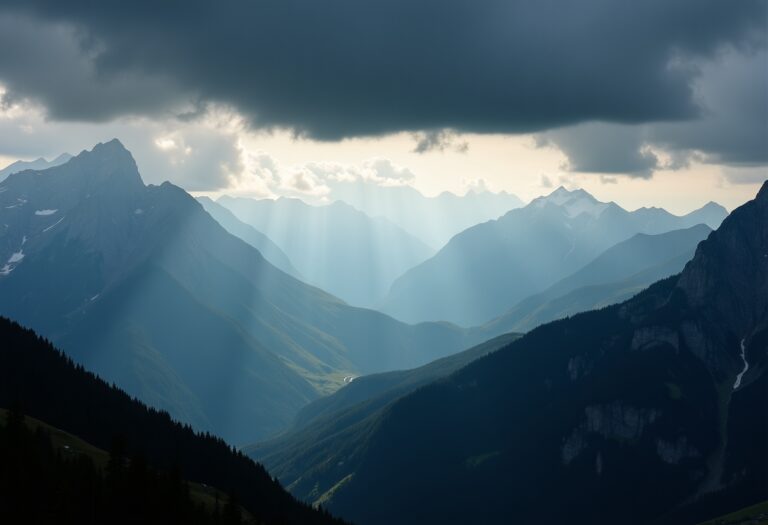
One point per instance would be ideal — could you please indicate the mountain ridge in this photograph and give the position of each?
(613, 276)
(488, 268)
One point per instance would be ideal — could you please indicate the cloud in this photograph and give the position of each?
(338, 69)
(46, 62)
(266, 177)
(384, 172)
(746, 175)
(546, 182)
(305, 183)
(199, 156)
(603, 148)
(439, 140)
(478, 185)
(732, 129)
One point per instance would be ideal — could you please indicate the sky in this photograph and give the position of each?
(653, 103)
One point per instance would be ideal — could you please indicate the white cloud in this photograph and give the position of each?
(478, 185)
(265, 177)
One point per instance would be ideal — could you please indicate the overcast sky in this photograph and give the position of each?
(659, 102)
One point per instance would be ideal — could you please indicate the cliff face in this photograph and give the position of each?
(728, 277)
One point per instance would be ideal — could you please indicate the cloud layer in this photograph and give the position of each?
(731, 91)
(342, 68)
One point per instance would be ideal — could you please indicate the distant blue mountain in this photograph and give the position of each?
(613, 276)
(434, 220)
(487, 269)
(335, 247)
(37, 164)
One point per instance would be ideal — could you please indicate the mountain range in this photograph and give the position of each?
(488, 268)
(615, 275)
(335, 247)
(647, 412)
(142, 286)
(434, 220)
(37, 164)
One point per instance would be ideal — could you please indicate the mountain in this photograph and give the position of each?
(434, 220)
(320, 448)
(650, 411)
(271, 252)
(487, 269)
(142, 286)
(614, 276)
(37, 164)
(46, 385)
(335, 247)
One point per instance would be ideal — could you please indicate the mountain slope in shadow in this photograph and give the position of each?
(650, 411)
(613, 276)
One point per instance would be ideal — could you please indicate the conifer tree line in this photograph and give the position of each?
(42, 483)
(151, 453)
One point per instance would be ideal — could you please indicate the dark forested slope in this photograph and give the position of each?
(48, 386)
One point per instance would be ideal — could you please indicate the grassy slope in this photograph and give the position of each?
(751, 515)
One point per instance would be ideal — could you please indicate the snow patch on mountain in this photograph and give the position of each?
(574, 203)
(13, 261)
(52, 225)
(45, 212)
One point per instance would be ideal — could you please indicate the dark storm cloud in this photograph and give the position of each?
(732, 128)
(603, 148)
(439, 140)
(46, 61)
(337, 68)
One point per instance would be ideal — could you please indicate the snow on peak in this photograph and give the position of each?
(45, 212)
(575, 202)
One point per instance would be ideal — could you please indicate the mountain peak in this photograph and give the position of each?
(108, 161)
(113, 145)
(61, 159)
(713, 206)
(575, 202)
(560, 191)
(763, 193)
(562, 195)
